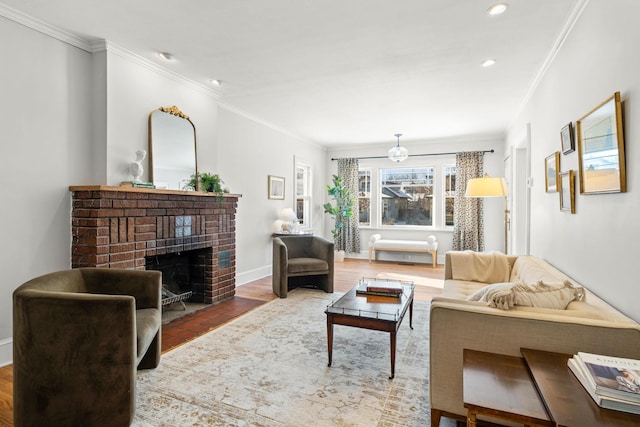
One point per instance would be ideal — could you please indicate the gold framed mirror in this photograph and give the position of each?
(601, 149)
(172, 148)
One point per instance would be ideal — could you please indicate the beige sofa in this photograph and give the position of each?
(591, 325)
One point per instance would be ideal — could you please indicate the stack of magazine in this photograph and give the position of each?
(612, 382)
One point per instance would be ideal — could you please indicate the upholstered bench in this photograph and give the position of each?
(429, 245)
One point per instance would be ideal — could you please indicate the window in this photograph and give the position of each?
(364, 197)
(407, 196)
(449, 194)
(303, 194)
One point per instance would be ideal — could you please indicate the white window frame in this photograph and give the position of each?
(438, 163)
(444, 194)
(307, 193)
(371, 187)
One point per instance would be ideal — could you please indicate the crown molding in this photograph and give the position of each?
(107, 46)
(44, 28)
(575, 14)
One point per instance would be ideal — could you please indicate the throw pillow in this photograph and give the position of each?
(543, 295)
(488, 292)
(548, 295)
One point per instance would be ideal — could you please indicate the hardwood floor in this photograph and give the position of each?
(248, 297)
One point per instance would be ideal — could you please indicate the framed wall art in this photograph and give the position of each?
(276, 187)
(601, 149)
(552, 168)
(568, 141)
(568, 192)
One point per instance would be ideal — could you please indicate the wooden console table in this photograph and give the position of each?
(535, 390)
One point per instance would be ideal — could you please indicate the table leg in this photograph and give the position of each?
(330, 338)
(411, 314)
(471, 418)
(393, 355)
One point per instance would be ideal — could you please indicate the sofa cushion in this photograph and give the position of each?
(307, 265)
(490, 267)
(148, 322)
(542, 295)
(531, 269)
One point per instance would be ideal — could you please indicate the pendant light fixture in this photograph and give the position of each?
(398, 153)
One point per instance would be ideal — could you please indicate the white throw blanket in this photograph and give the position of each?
(480, 267)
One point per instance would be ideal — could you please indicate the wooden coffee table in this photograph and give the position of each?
(370, 312)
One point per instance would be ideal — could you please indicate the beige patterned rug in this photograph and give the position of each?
(269, 368)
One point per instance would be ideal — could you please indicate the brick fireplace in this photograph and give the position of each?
(126, 227)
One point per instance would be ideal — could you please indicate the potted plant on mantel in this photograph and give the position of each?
(341, 212)
(210, 183)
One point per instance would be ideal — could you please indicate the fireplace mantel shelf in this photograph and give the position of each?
(130, 189)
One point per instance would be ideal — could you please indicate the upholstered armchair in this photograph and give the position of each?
(79, 336)
(300, 261)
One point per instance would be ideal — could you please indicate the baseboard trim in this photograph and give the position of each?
(251, 275)
(6, 352)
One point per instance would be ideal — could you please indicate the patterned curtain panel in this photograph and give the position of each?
(349, 239)
(468, 230)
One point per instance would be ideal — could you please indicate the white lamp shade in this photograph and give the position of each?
(486, 187)
(288, 215)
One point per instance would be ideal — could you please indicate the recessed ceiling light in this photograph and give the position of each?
(497, 8)
(216, 82)
(488, 62)
(165, 55)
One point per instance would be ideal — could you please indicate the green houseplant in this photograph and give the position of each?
(210, 183)
(341, 212)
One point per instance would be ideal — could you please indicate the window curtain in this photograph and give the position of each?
(468, 229)
(349, 238)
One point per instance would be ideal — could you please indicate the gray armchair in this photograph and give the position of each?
(79, 336)
(300, 261)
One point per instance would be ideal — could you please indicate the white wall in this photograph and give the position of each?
(44, 147)
(248, 153)
(598, 245)
(134, 88)
(494, 208)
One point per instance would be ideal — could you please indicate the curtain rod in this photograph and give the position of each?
(410, 155)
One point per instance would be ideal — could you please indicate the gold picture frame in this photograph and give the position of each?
(601, 149)
(276, 187)
(552, 170)
(567, 192)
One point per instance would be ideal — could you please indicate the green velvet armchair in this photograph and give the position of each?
(79, 335)
(300, 261)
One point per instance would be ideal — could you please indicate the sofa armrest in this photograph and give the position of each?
(144, 286)
(455, 325)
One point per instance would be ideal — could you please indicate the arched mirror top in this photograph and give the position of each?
(172, 148)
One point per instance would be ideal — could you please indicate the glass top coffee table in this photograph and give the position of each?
(375, 312)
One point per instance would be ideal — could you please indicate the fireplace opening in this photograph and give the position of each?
(183, 275)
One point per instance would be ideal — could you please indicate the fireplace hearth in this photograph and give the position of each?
(189, 236)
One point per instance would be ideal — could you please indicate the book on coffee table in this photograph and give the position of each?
(612, 382)
(381, 287)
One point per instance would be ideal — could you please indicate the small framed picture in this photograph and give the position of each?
(568, 192)
(276, 187)
(567, 138)
(552, 169)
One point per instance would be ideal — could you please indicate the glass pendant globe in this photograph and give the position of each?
(398, 154)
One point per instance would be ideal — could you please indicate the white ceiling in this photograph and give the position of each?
(339, 72)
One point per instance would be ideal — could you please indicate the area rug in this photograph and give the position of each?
(417, 280)
(269, 368)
